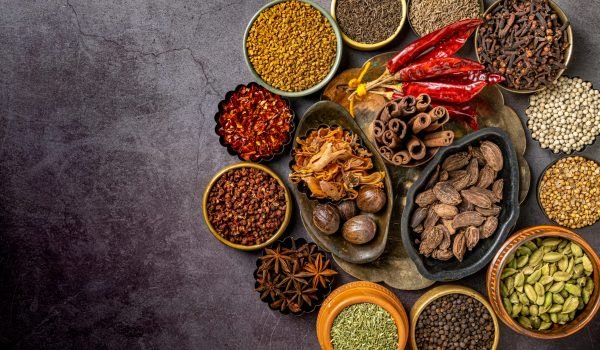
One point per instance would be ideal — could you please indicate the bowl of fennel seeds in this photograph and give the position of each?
(426, 16)
(368, 25)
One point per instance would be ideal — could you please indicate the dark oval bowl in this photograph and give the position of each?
(539, 182)
(483, 253)
(323, 293)
(230, 150)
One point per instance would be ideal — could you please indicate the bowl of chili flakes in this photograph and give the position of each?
(254, 123)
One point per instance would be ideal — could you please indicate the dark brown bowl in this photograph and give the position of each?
(284, 146)
(290, 242)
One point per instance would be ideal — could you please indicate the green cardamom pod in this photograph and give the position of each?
(561, 276)
(534, 277)
(523, 250)
(567, 251)
(535, 258)
(516, 309)
(507, 305)
(564, 293)
(563, 318)
(544, 325)
(525, 322)
(539, 289)
(503, 289)
(570, 305)
(546, 280)
(558, 299)
(508, 272)
(586, 296)
(573, 289)
(548, 300)
(554, 317)
(563, 244)
(581, 281)
(513, 264)
(522, 261)
(551, 242)
(528, 270)
(510, 258)
(555, 309)
(578, 260)
(571, 315)
(533, 310)
(519, 279)
(535, 321)
(576, 249)
(530, 292)
(552, 257)
(524, 299)
(547, 249)
(510, 284)
(589, 285)
(552, 268)
(531, 245)
(546, 270)
(525, 311)
(514, 298)
(587, 264)
(578, 270)
(545, 317)
(540, 300)
(563, 263)
(557, 287)
(581, 304)
(571, 265)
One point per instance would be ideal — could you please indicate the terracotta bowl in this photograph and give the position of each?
(511, 245)
(440, 291)
(288, 208)
(356, 293)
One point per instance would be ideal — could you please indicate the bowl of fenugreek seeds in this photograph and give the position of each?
(292, 47)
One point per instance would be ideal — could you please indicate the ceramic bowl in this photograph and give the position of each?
(312, 89)
(483, 253)
(288, 209)
(356, 293)
(584, 317)
(289, 243)
(567, 58)
(440, 291)
(230, 150)
(539, 182)
(481, 4)
(374, 46)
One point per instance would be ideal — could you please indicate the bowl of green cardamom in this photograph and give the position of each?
(292, 47)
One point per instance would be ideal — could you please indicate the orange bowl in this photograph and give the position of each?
(509, 247)
(356, 293)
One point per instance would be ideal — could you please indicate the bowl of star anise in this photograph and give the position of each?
(293, 276)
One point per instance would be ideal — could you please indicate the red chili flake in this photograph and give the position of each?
(255, 123)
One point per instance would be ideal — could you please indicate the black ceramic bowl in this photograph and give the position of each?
(485, 250)
(289, 243)
(230, 149)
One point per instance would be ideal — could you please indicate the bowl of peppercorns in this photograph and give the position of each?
(247, 206)
(453, 317)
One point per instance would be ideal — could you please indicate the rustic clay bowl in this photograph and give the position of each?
(584, 317)
(290, 242)
(356, 293)
(326, 113)
(437, 292)
(483, 253)
(284, 146)
(288, 208)
(567, 58)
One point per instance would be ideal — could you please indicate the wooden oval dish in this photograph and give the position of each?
(288, 208)
(284, 146)
(510, 246)
(483, 253)
(326, 113)
(356, 293)
(440, 291)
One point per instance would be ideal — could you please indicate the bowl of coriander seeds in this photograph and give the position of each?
(292, 47)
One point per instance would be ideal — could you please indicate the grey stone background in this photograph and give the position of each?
(106, 144)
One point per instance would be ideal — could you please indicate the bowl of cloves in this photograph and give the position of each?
(293, 276)
(530, 43)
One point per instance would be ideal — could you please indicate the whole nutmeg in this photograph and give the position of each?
(326, 218)
(347, 210)
(359, 230)
(370, 199)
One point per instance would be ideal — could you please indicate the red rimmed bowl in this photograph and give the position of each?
(510, 246)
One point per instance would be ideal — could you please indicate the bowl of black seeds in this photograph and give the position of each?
(453, 317)
(369, 24)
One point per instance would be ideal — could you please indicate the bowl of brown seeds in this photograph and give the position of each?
(426, 16)
(292, 47)
(368, 25)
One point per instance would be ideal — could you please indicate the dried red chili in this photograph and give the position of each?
(255, 122)
(437, 67)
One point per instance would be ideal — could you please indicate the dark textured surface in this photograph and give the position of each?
(106, 144)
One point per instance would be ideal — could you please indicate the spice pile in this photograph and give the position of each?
(525, 41)
(292, 46)
(569, 192)
(455, 321)
(255, 123)
(546, 282)
(364, 326)
(427, 16)
(293, 278)
(246, 206)
(460, 203)
(408, 131)
(565, 117)
(368, 21)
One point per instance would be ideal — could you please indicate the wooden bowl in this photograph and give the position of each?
(288, 208)
(511, 245)
(440, 291)
(374, 46)
(356, 293)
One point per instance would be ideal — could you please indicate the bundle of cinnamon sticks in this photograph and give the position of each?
(409, 130)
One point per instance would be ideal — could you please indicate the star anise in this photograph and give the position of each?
(319, 271)
(301, 295)
(267, 287)
(275, 259)
(293, 278)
